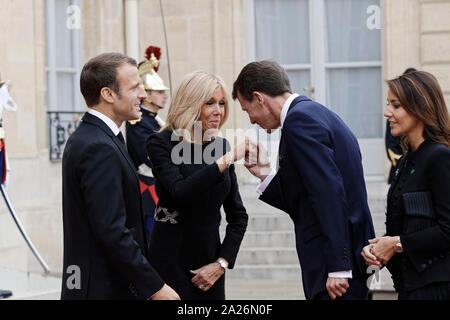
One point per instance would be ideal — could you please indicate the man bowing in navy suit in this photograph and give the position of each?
(319, 181)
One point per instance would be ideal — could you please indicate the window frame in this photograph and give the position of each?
(373, 148)
(52, 70)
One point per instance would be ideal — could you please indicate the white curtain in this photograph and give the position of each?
(354, 93)
(282, 31)
(349, 38)
(283, 34)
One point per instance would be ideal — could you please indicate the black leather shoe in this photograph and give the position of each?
(5, 294)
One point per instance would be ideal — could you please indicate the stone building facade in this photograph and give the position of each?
(212, 35)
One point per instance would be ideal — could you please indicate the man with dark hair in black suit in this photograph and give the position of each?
(105, 253)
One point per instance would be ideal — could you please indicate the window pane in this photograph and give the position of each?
(349, 38)
(65, 91)
(282, 30)
(299, 81)
(63, 35)
(355, 95)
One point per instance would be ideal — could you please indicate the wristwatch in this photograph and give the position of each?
(398, 246)
(222, 263)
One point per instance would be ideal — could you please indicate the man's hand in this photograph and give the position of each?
(369, 257)
(337, 287)
(241, 150)
(206, 276)
(258, 164)
(166, 293)
(236, 154)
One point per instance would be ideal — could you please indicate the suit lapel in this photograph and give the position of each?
(89, 118)
(124, 152)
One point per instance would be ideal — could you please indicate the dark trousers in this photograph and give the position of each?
(357, 291)
(434, 291)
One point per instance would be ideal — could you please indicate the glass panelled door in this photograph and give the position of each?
(274, 38)
(282, 33)
(353, 76)
(332, 57)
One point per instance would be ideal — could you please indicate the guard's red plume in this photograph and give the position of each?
(156, 51)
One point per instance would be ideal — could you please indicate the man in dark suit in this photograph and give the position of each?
(105, 254)
(319, 182)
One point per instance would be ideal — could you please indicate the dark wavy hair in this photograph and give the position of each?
(421, 95)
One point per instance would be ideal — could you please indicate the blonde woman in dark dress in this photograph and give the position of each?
(195, 178)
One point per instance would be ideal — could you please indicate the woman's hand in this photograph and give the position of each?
(244, 149)
(384, 248)
(368, 257)
(206, 276)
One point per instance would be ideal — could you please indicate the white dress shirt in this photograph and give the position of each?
(111, 124)
(263, 185)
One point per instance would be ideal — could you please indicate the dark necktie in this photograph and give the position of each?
(120, 137)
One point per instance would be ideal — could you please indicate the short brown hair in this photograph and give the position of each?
(265, 76)
(101, 72)
(421, 95)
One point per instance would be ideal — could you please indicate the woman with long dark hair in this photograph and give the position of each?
(416, 247)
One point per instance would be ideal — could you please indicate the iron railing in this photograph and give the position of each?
(61, 124)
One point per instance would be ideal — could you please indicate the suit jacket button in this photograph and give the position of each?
(133, 290)
(430, 262)
(424, 266)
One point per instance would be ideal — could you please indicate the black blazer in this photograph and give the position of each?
(426, 242)
(102, 217)
(393, 148)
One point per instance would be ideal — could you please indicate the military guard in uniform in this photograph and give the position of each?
(138, 131)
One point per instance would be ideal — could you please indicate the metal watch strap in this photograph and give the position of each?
(222, 263)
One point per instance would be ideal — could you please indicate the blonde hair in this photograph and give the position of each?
(194, 91)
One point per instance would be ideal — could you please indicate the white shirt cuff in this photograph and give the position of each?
(341, 274)
(263, 185)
